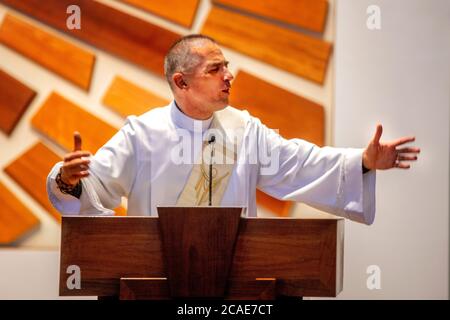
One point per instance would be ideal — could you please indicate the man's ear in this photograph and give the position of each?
(179, 81)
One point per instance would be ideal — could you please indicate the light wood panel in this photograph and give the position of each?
(126, 98)
(16, 220)
(286, 49)
(58, 118)
(293, 115)
(15, 97)
(178, 11)
(30, 171)
(107, 28)
(52, 52)
(309, 14)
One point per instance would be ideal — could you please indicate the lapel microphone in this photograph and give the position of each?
(211, 142)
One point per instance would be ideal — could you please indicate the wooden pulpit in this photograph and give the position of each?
(201, 252)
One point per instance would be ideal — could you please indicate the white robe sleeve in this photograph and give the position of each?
(329, 179)
(112, 172)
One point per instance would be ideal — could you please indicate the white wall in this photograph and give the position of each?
(398, 76)
(30, 274)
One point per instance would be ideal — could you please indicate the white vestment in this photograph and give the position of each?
(138, 163)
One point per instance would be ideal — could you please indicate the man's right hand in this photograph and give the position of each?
(76, 163)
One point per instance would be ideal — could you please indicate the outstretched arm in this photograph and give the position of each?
(387, 155)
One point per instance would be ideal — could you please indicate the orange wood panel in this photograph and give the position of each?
(286, 49)
(30, 171)
(58, 118)
(309, 14)
(293, 115)
(126, 98)
(178, 11)
(278, 207)
(120, 211)
(15, 97)
(107, 28)
(60, 56)
(16, 220)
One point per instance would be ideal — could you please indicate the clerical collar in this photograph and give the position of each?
(181, 120)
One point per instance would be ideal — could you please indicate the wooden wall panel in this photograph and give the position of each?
(15, 97)
(107, 28)
(126, 98)
(58, 118)
(277, 207)
(289, 50)
(30, 171)
(293, 115)
(178, 11)
(16, 220)
(309, 14)
(60, 56)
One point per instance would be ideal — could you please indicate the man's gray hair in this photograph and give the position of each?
(180, 57)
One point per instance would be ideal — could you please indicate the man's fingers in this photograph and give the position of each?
(77, 154)
(78, 161)
(403, 141)
(76, 141)
(402, 165)
(76, 166)
(407, 158)
(408, 150)
(82, 174)
(378, 133)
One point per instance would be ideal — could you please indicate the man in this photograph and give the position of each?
(154, 159)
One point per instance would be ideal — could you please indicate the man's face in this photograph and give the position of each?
(209, 83)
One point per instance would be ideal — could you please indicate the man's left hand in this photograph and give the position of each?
(386, 155)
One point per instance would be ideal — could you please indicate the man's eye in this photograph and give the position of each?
(214, 69)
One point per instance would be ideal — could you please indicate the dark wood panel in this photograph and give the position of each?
(58, 118)
(201, 271)
(137, 254)
(158, 289)
(309, 14)
(295, 252)
(286, 49)
(178, 11)
(15, 97)
(126, 98)
(16, 220)
(107, 28)
(52, 52)
(144, 289)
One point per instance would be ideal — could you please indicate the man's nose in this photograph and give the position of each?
(228, 76)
